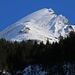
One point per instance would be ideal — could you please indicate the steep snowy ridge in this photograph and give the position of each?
(41, 25)
(73, 26)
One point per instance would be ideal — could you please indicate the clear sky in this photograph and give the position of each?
(13, 10)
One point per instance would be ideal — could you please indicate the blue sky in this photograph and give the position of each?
(13, 10)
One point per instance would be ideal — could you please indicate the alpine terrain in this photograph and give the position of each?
(41, 25)
(29, 57)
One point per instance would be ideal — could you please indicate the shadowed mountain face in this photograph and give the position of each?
(41, 25)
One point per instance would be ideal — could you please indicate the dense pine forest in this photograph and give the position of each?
(18, 55)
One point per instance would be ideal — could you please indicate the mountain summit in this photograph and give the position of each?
(41, 25)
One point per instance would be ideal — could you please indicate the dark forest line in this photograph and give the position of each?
(18, 55)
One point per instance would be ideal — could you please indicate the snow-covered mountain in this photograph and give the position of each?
(41, 25)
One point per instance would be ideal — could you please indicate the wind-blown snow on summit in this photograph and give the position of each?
(41, 25)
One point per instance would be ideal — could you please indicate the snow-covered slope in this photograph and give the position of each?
(41, 25)
(73, 26)
(65, 68)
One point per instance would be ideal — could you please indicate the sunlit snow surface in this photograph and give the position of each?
(41, 25)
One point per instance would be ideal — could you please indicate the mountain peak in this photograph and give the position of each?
(41, 25)
(51, 10)
(48, 9)
(64, 19)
